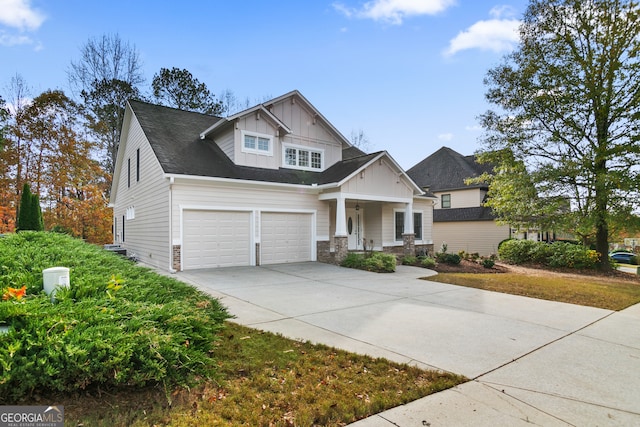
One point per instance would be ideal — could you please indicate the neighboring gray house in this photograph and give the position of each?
(459, 218)
(275, 183)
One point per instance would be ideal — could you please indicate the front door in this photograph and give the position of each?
(355, 229)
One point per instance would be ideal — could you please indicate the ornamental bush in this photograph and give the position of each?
(118, 325)
(557, 254)
(372, 261)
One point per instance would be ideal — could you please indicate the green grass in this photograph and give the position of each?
(612, 293)
(126, 346)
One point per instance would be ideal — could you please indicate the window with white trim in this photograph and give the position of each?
(303, 158)
(130, 212)
(257, 143)
(445, 201)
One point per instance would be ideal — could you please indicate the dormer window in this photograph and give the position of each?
(303, 158)
(257, 143)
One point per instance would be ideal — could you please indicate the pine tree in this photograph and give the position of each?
(29, 212)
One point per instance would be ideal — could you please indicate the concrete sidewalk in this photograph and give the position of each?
(531, 361)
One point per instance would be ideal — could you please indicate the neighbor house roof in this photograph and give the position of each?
(478, 213)
(175, 137)
(447, 169)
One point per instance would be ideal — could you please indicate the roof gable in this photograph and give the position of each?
(174, 136)
(447, 169)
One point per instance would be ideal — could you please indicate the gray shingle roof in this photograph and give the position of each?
(447, 169)
(463, 214)
(174, 136)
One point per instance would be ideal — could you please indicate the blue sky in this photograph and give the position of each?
(409, 73)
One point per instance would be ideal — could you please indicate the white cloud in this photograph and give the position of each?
(19, 14)
(13, 40)
(394, 11)
(499, 34)
(474, 128)
(445, 136)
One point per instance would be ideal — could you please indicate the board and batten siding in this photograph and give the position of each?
(226, 142)
(188, 194)
(378, 179)
(470, 198)
(482, 237)
(147, 233)
(307, 131)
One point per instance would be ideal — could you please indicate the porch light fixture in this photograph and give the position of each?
(357, 207)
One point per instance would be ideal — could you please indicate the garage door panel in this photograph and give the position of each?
(216, 239)
(286, 237)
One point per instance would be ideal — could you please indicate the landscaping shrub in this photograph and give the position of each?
(118, 325)
(558, 254)
(372, 261)
(409, 260)
(446, 258)
(488, 263)
(520, 251)
(428, 262)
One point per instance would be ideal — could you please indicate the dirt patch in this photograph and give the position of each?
(466, 266)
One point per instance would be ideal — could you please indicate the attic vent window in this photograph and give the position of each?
(257, 143)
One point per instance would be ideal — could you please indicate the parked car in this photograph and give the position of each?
(624, 257)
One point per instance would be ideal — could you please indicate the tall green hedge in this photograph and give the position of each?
(29, 212)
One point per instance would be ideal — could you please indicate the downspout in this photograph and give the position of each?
(171, 269)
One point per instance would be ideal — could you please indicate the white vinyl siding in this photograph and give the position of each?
(461, 198)
(286, 237)
(216, 239)
(482, 237)
(147, 224)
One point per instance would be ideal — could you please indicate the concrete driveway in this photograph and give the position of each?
(531, 361)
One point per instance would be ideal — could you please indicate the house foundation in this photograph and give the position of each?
(176, 257)
(342, 248)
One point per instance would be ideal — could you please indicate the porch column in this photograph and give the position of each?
(341, 239)
(408, 235)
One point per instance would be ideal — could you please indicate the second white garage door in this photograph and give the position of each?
(286, 237)
(216, 239)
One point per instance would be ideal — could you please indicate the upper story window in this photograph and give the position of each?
(303, 158)
(445, 200)
(257, 143)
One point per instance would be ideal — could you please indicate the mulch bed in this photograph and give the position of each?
(466, 266)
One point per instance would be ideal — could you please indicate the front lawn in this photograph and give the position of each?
(612, 292)
(128, 347)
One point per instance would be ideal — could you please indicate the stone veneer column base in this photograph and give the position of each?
(342, 248)
(323, 248)
(176, 257)
(257, 254)
(409, 244)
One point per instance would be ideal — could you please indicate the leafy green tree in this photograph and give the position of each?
(178, 88)
(569, 100)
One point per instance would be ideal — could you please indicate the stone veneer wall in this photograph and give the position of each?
(176, 257)
(324, 252)
(342, 248)
(409, 244)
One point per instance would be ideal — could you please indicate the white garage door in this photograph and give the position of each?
(216, 239)
(286, 237)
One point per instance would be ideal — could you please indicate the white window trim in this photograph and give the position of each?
(255, 150)
(299, 148)
(130, 213)
(421, 212)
